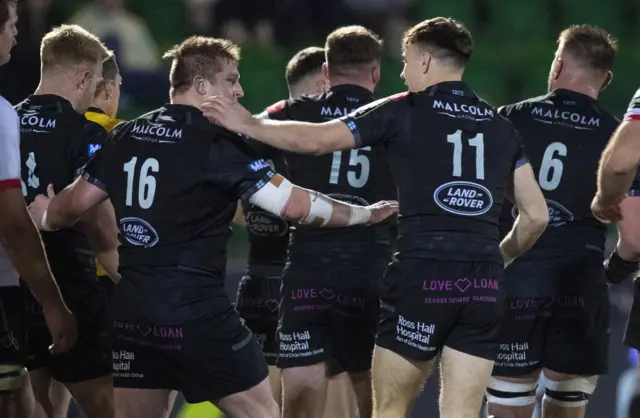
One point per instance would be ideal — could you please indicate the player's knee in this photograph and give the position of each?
(569, 393)
(10, 378)
(502, 392)
(308, 379)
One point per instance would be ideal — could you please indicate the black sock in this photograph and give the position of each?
(618, 270)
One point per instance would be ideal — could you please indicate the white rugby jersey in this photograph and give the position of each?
(9, 175)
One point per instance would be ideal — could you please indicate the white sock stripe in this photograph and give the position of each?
(511, 387)
(564, 404)
(579, 384)
(519, 401)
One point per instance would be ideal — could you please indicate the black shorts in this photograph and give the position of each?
(90, 358)
(568, 333)
(329, 313)
(632, 332)
(258, 303)
(13, 329)
(428, 303)
(207, 358)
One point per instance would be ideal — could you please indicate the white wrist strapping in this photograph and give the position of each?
(45, 226)
(359, 215)
(320, 210)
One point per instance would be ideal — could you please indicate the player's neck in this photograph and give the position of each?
(579, 87)
(56, 87)
(185, 99)
(338, 81)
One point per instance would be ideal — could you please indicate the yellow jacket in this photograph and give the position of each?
(98, 116)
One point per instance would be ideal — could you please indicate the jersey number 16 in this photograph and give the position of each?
(146, 182)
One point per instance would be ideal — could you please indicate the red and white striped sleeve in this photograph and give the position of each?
(9, 146)
(633, 111)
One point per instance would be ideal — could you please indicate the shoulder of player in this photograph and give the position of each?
(523, 105)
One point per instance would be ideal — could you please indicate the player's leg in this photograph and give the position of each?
(86, 370)
(363, 389)
(512, 389)
(258, 303)
(577, 343)
(304, 336)
(52, 397)
(473, 344)
(397, 382)
(16, 395)
(341, 397)
(135, 403)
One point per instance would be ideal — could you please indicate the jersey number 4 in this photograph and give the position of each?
(355, 159)
(146, 182)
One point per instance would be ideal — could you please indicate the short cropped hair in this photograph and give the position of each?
(5, 6)
(590, 45)
(71, 45)
(199, 56)
(110, 72)
(444, 38)
(304, 63)
(350, 47)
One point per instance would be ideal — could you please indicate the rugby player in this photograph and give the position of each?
(174, 180)
(330, 286)
(56, 142)
(557, 319)
(258, 297)
(103, 111)
(21, 255)
(442, 293)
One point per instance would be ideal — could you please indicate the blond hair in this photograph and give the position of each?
(71, 45)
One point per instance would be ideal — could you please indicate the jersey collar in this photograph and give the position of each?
(454, 88)
(51, 100)
(571, 95)
(96, 110)
(351, 89)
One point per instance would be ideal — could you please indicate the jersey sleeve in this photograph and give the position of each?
(633, 111)
(376, 122)
(92, 138)
(236, 168)
(9, 148)
(93, 171)
(520, 157)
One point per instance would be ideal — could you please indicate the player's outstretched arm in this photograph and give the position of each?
(65, 209)
(532, 219)
(284, 199)
(101, 228)
(618, 165)
(298, 137)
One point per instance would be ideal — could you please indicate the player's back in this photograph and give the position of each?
(564, 133)
(56, 141)
(359, 176)
(452, 157)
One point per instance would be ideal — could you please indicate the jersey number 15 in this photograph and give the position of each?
(146, 182)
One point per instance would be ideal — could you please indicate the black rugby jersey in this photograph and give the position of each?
(452, 157)
(633, 113)
(360, 176)
(174, 180)
(565, 133)
(268, 233)
(56, 141)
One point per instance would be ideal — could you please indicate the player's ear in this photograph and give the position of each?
(325, 70)
(607, 81)
(426, 62)
(108, 89)
(375, 74)
(200, 85)
(558, 66)
(83, 79)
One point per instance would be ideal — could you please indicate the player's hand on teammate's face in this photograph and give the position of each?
(227, 113)
(62, 326)
(606, 214)
(40, 205)
(382, 210)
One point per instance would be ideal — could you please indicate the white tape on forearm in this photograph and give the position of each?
(321, 209)
(273, 198)
(45, 226)
(359, 215)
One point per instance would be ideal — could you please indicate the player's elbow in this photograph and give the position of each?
(297, 207)
(536, 217)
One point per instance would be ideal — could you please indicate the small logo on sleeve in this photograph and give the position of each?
(258, 165)
(93, 148)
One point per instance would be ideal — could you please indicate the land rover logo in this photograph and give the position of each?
(266, 224)
(558, 214)
(138, 232)
(463, 198)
